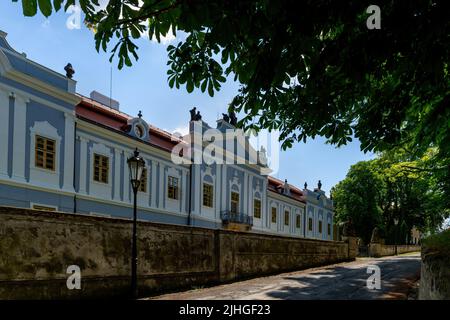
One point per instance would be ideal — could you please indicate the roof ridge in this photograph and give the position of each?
(116, 112)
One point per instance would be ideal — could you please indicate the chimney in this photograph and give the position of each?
(107, 101)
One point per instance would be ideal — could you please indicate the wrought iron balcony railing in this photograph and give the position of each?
(228, 216)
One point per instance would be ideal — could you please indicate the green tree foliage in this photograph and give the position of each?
(396, 186)
(358, 198)
(306, 68)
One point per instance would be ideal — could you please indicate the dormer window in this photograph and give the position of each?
(138, 128)
(139, 131)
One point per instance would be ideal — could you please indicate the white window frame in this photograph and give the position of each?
(255, 197)
(40, 176)
(235, 183)
(239, 202)
(213, 195)
(288, 209)
(209, 212)
(274, 225)
(100, 189)
(173, 204)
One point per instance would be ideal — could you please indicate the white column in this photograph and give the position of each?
(245, 193)
(264, 207)
(153, 190)
(218, 192)
(126, 178)
(149, 193)
(83, 165)
(4, 133)
(315, 224)
(117, 182)
(250, 195)
(162, 186)
(20, 113)
(224, 187)
(182, 191)
(69, 140)
(197, 191)
(279, 217)
(185, 177)
(293, 215)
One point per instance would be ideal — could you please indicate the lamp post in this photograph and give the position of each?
(136, 164)
(395, 234)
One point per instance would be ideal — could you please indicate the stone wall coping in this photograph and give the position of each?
(5, 210)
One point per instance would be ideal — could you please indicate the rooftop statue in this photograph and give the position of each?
(69, 71)
(226, 118)
(195, 116)
(233, 118)
(230, 118)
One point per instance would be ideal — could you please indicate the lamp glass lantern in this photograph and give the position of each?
(136, 165)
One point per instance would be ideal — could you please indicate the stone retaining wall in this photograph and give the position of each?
(37, 247)
(435, 272)
(381, 250)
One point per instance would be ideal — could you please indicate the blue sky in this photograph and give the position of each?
(144, 87)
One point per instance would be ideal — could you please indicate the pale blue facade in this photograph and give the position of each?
(37, 101)
(319, 209)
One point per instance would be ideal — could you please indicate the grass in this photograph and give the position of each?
(409, 253)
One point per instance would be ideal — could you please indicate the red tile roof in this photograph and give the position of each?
(277, 186)
(113, 119)
(95, 112)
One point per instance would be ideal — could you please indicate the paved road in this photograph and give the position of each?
(340, 281)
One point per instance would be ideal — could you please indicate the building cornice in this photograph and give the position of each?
(41, 86)
(124, 139)
(285, 198)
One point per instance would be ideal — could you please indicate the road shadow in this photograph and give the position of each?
(350, 282)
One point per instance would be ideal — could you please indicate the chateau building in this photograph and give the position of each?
(319, 214)
(63, 151)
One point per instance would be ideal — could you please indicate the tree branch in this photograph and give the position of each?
(148, 14)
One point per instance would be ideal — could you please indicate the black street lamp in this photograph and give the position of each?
(395, 234)
(136, 164)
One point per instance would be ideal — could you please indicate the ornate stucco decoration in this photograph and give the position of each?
(138, 128)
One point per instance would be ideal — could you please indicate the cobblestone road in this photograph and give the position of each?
(340, 281)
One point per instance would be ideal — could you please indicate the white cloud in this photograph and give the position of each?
(165, 40)
(182, 130)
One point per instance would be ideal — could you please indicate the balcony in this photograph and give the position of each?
(236, 221)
